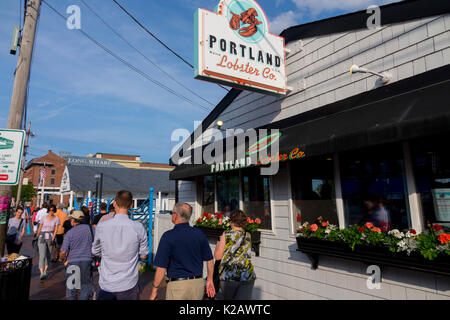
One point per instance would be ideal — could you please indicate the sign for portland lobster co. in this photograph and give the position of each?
(233, 46)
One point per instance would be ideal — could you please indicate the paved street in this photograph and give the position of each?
(53, 288)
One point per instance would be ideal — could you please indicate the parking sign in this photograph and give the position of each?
(11, 151)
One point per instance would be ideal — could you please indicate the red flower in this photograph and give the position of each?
(209, 216)
(437, 227)
(219, 215)
(199, 220)
(314, 227)
(412, 231)
(384, 226)
(375, 229)
(205, 214)
(369, 225)
(258, 221)
(361, 229)
(444, 238)
(324, 224)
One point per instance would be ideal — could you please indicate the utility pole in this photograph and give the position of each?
(19, 94)
(22, 166)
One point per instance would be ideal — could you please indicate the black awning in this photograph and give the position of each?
(405, 110)
(405, 116)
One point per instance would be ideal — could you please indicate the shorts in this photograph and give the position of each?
(59, 239)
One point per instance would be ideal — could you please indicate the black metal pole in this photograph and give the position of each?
(94, 207)
(100, 191)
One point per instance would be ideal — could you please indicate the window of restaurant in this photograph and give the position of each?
(313, 190)
(374, 187)
(256, 196)
(228, 192)
(431, 163)
(207, 194)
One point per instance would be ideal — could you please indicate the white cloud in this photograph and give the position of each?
(315, 7)
(283, 21)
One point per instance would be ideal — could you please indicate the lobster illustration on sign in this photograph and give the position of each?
(246, 17)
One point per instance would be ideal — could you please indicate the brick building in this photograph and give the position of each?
(54, 166)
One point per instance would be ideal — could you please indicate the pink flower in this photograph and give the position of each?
(369, 225)
(324, 224)
(314, 227)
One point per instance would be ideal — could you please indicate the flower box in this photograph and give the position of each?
(372, 255)
(215, 233)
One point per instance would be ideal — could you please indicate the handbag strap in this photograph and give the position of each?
(92, 233)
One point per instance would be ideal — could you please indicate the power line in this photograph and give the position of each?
(156, 38)
(142, 54)
(129, 65)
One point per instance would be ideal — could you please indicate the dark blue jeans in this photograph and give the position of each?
(131, 294)
(87, 287)
(237, 290)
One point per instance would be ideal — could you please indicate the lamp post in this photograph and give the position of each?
(98, 192)
(94, 207)
(100, 188)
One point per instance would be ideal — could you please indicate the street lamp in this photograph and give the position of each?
(99, 185)
(385, 77)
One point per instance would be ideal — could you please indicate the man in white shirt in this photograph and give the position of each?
(120, 242)
(42, 213)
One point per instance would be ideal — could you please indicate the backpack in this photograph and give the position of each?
(34, 216)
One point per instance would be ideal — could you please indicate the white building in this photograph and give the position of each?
(361, 137)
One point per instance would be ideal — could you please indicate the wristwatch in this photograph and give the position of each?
(156, 287)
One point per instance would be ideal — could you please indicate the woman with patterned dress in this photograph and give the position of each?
(236, 274)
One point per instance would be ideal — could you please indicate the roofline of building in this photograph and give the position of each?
(115, 154)
(33, 163)
(391, 13)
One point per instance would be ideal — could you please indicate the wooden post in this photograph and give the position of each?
(19, 94)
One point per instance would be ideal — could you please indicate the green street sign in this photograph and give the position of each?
(11, 151)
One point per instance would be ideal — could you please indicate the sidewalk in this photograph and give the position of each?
(53, 288)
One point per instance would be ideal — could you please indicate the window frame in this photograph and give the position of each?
(241, 188)
(291, 202)
(241, 200)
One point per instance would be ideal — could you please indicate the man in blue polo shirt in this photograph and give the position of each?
(181, 253)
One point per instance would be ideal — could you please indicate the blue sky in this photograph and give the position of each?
(84, 101)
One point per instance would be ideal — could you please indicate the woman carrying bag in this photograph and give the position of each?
(46, 235)
(236, 274)
(16, 229)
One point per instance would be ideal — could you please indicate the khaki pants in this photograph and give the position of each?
(185, 290)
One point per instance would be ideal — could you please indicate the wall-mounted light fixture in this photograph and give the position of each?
(385, 76)
(219, 124)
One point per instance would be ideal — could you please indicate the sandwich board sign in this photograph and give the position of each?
(11, 151)
(233, 46)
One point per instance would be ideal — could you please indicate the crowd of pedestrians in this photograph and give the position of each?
(113, 244)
